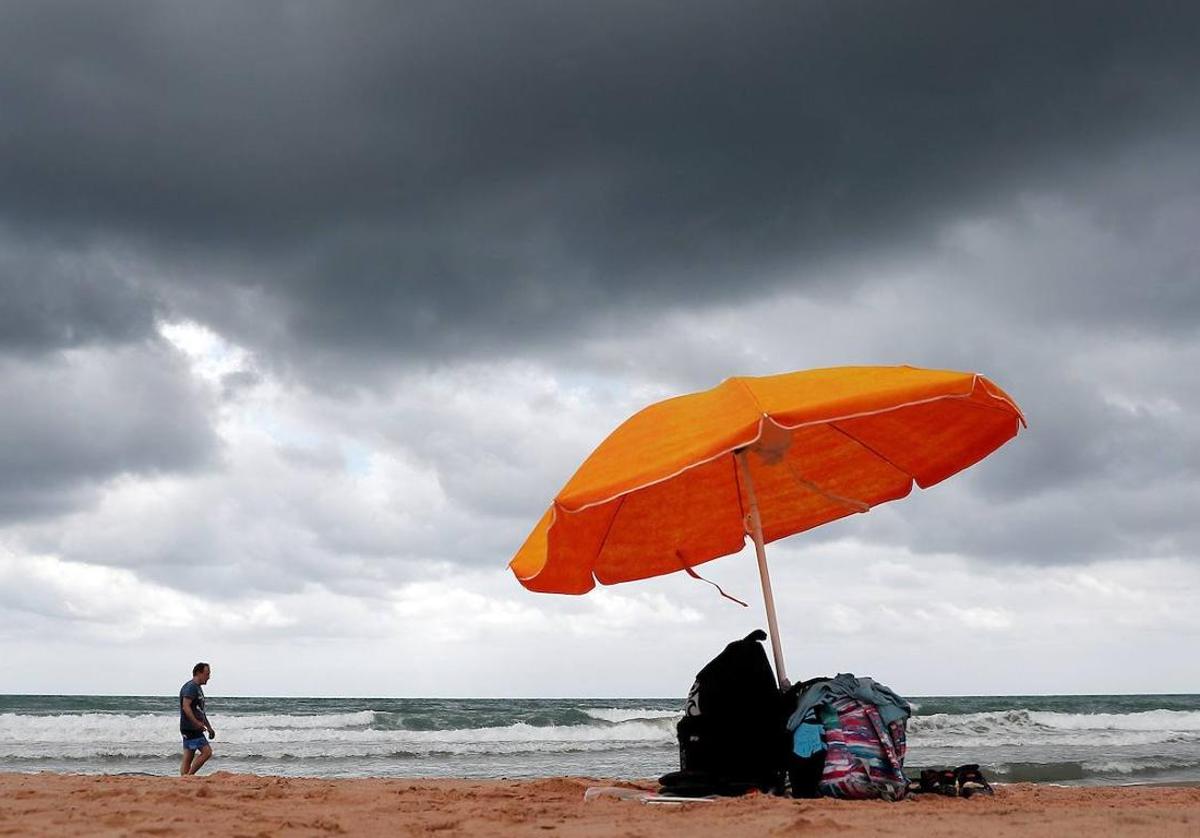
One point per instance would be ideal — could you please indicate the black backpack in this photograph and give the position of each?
(733, 736)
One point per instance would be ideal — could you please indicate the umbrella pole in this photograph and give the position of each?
(764, 576)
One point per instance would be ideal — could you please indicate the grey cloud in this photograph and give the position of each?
(274, 520)
(348, 190)
(72, 421)
(450, 179)
(234, 384)
(57, 294)
(1077, 525)
(354, 495)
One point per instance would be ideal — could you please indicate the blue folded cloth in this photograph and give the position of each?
(806, 741)
(891, 706)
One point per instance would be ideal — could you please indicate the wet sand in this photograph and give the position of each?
(224, 804)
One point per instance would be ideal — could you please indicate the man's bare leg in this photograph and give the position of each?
(186, 767)
(201, 758)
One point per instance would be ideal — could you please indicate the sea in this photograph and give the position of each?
(1070, 740)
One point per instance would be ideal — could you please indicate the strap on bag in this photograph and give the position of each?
(885, 737)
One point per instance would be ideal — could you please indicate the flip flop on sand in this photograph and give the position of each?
(964, 781)
(935, 781)
(971, 781)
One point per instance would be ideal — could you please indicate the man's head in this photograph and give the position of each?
(200, 673)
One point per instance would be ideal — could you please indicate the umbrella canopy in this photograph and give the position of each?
(673, 487)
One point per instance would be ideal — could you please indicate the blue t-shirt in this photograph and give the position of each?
(191, 690)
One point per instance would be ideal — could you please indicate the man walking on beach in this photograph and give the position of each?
(193, 722)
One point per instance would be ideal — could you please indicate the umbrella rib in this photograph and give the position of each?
(977, 405)
(866, 447)
(607, 532)
(856, 505)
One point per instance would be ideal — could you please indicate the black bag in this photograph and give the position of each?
(732, 737)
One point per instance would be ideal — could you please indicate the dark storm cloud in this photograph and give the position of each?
(443, 178)
(59, 295)
(342, 188)
(73, 421)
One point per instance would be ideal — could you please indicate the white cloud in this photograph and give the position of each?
(365, 531)
(113, 604)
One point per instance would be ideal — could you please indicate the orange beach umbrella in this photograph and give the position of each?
(685, 480)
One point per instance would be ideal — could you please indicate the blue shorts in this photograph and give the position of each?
(196, 743)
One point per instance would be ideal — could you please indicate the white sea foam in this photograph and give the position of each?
(1137, 766)
(1176, 720)
(15, 727)
(362, 718)
(79, 736)
(1028, 727)
(623, 714)
(69, 727)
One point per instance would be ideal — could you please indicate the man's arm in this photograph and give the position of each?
(198, 719)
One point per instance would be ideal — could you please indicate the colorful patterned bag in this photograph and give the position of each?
(864, 759)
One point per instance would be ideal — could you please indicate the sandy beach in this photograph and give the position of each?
(229, 804)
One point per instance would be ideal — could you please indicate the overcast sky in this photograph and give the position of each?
(307, 310)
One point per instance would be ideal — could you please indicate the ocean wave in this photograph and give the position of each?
(85, 736)
(1031, 727)
(332, 721)
(1174, 720)
(1093, 771)
(1134, 766)
(16, 727)
(520, 732)
(637, 714)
